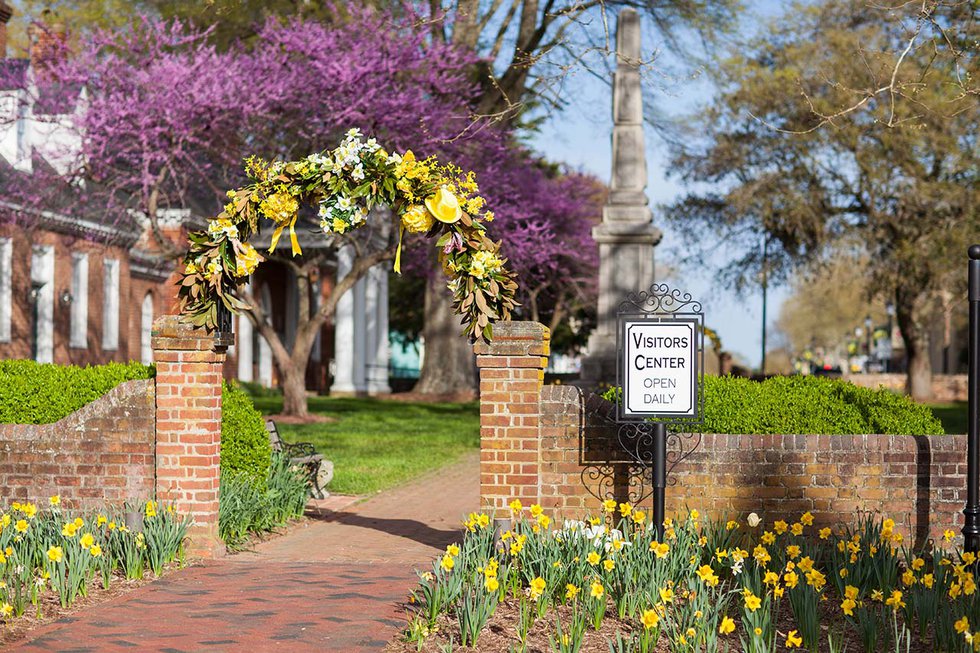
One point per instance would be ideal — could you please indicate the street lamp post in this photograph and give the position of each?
(971, 512)
(867, 328)
(890, 311)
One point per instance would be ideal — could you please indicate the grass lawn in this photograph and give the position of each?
(952, 415)
(377, 444)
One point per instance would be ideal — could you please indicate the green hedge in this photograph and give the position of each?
(36, 393)
(245, 448)
(808, 405)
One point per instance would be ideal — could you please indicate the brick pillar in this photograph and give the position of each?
(511, 379)
(188, 407)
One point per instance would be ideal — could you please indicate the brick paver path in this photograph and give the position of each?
(336, 583)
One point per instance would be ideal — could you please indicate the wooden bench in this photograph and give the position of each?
(319, 472)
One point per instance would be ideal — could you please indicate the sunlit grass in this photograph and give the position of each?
(376, 444)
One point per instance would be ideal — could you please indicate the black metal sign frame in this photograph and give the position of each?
(662, 304)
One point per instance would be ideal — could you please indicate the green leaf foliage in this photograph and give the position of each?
(41, 393)
(245, 447)
(808, 405)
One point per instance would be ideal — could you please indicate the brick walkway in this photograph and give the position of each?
(336, 583)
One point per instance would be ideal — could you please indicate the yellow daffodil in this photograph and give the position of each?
(895, 600)
(444, 206)
(571, 591)
(727, 626)
(56, 554)
(752, 602)
(447, 562)
(793, 640)
(660, 549)
(780, 527)
(666, 595)
(962, 625)
(593, 558)
(596, 590)
(650, 619)
(608, 564)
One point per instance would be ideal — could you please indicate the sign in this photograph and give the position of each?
(659, 366)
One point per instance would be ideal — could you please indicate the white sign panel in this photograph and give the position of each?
(659, 367)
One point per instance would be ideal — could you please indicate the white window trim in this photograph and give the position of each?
(110, 304)
(79, 302)
(6, 288)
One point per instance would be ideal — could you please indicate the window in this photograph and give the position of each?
(79, 300)
(110, 304)
(146, 330)
(6, 288)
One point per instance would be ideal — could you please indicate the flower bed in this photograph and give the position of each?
(608, 584)
(56, 553)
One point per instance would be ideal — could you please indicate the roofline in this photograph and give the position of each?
(78, 226)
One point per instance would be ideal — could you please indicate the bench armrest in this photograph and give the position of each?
(299, 449)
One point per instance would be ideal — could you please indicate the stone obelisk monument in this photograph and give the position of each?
(626, 236)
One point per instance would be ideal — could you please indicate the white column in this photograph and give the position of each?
(146, 329)
(360, 335)
(265, 351)
(110, 304)
(79, 306)
(378, 381)
(6, 288)
(42, 276)
(343, 330)
(244, 346)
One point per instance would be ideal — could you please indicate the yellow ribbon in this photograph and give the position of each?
(292, 236)
(398, 252)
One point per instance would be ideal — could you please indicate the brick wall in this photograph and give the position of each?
(945, 387)
(151, 438)
(100, 454)
(917, 480)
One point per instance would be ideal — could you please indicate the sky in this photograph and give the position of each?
(580, 136)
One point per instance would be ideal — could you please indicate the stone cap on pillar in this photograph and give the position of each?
(170, 333)
(516, 339)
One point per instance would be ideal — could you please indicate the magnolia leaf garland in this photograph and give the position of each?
(344, 184)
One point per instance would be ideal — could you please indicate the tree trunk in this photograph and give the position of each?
(908, 311)
(449, 365)
(294, 391)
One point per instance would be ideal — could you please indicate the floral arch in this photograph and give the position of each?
(344, 184)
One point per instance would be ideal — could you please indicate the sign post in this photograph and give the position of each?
(660, 367)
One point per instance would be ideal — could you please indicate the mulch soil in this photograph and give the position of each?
(311, 418)
(500, 634)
